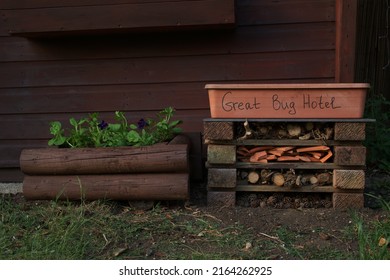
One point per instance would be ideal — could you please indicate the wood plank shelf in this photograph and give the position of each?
(364, 120)
(242, 187)
(283, 142)
(276, 165)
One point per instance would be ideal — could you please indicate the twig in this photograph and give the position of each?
(271, 237)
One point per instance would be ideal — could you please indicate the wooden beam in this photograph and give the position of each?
(272, 188)
(346, 11)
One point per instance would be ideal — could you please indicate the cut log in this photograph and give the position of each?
(324, 178)
(243, 175)
(313, 180)
(294, 130)
(66, 161)
(290, 179)
(305, 179)
(309, 126)
(278, 179)
(253, 177)
(265, 176)
(263, 130)
(164, 186)
(298, 181)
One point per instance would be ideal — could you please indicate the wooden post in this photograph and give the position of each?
(350, 131)
(222, 178)
(350, 155)
(346, 11)
(221, 154)
(349, 179)
(218, 130)
(348, 200)
(221, 199)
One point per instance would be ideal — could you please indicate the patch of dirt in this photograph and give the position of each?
(310, 218)
(312, 229)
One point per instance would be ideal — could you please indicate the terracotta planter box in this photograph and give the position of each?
(158, 172)
(277, 101)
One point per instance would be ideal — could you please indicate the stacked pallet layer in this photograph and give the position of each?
(254, 156)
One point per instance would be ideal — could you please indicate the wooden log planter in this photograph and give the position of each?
(158, 172)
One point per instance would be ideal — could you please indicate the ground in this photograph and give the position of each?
(192, 230)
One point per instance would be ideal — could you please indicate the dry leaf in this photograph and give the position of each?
(382, 242)
(248, 246)
(324, 236)
(119, 251)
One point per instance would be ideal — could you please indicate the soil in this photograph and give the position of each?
(313, 219)
(314, 225)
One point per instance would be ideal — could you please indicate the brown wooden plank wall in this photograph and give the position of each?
(52, 79)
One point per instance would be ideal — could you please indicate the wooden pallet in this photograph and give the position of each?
(346, 165)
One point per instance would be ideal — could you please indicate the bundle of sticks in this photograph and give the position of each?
(286, 178)
(265, 154)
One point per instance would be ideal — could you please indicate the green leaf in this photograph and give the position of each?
(174, 123)
(57, 141)
(55, 127)
(114, 127)
(73, 122)
(177, 130)
(133, 137)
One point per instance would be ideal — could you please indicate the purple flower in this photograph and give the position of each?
(102, 125)
(141, 124)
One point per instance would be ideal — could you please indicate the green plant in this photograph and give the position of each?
(378, 133)
(373, 238)
(91, 132)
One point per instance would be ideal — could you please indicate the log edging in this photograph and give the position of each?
(158, 172)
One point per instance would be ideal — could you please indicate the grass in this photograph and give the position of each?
(107, 230)
(374, 236)
(378, 133)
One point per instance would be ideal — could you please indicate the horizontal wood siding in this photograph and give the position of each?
(42, 80)
(118, 17)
